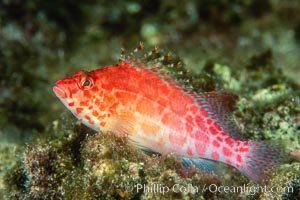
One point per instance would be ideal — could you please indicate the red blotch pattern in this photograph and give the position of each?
(219, 138)
(208, 121)
(87, 94)
(200, 123)
(84, 103)
(226, 152)
(188, 128)
(216, 144)
(201, 143)
(194, 109)
(239, 158)
(212, 130)
(203, 113)
(243, 149)
(95, 89)
(229, 141)
(102, 124)
(215, 155)
(79, 110)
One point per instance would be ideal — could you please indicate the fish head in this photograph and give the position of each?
(80, 93)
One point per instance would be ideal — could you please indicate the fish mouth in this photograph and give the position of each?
(59, 92)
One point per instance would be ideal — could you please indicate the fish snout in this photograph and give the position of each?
(59, 92)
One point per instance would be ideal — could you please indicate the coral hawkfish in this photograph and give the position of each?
(149, 99)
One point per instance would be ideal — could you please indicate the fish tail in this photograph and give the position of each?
(261, 159)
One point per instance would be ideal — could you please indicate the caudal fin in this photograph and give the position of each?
(261, 159)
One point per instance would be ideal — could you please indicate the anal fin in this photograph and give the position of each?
(202, 164)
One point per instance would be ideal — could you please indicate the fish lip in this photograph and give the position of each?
(59, 92)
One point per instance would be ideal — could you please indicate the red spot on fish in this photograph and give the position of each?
(189, 118)
(198, 135)
(102, 107)
(87, 94)
(218, 128)
(198, 120)
(97, 102)
(79, 110)
(84, 103)
(203, 113)
(226, 152)
(87, 117)
(113, 107)
(162, 101)
(228, 162)
(201, 145)
(95, 113)
(73, 91)
(239, 158)
(200, 123)
(188, 128)
(194, 109)
(102, 124)
(229, 141)
(243, 149)
(215, 155)
(208, 121)
(100, 117)
(216, 144)
(220, 139)
(212, 130)
(71, 104)
(95, 89)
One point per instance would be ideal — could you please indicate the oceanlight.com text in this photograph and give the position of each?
(252, 190)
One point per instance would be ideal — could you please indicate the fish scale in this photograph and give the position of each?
(151, 100)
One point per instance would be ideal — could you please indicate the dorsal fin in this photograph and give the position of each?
(220, 106)
(166, 64)
(162, 62)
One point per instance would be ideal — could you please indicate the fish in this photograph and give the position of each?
(149, 98)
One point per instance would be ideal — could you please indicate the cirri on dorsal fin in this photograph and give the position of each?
(220, 106)
(164, 63)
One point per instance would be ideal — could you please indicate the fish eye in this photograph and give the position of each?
(86, 83)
